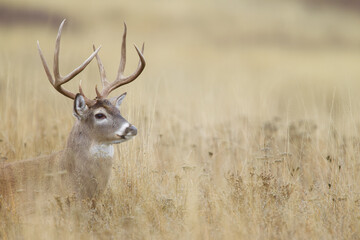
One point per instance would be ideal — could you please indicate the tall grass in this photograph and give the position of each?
(247, 112)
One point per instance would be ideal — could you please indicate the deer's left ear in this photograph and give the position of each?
(118, 100)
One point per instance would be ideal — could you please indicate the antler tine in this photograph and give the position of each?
(80, 68)
(101, 69)
(104, 81)
(58, 80)
(125, 80)
(51, 80)
(120, 79)
(123, 54)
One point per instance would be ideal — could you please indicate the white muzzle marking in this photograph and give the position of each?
(121, 131)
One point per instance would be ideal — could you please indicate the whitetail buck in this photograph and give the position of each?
(84, 166)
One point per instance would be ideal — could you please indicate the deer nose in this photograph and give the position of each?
(131, 130)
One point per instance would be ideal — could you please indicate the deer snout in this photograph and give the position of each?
(127, 131)
(131, 131)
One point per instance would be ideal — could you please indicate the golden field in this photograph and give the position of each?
(248, 118)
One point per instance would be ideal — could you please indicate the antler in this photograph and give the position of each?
(120, 79)
(59, 80)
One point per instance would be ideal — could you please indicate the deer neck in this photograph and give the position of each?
(87, 161)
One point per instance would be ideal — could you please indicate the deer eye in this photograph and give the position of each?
(100, 116)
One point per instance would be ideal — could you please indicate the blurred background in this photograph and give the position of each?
(229, 49)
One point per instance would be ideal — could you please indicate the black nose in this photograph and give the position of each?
(131, 130)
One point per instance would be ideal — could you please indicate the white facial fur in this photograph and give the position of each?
(102, 111)
(121, 131)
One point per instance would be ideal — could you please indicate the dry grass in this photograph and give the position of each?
(248, 118)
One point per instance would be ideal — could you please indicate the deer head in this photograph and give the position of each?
(98, 118)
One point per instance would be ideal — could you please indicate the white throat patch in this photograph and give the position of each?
(102, 150)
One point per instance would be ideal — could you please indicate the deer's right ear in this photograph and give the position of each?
(80, 106)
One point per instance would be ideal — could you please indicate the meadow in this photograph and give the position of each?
(248, 117)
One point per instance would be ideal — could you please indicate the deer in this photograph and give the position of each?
(83, 168)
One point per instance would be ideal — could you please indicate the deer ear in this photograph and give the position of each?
(118, 100)
(80, 106)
